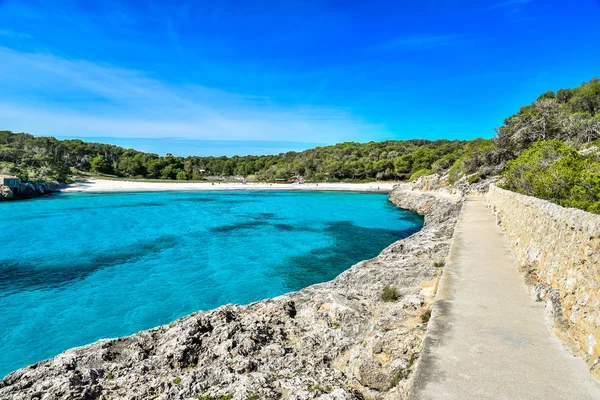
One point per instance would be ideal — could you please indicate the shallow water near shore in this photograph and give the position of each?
(79, 266)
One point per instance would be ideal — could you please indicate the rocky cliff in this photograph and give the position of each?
(28, 190)
(336, 340)
(558, 249)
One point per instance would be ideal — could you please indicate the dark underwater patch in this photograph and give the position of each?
(284, 227)
(196, 200)
(351, 244)
(239, 226)
(260, 216)
(18, 275)
(266, 215)
(412, 218)
(240, 201)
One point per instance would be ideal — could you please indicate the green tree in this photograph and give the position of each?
(98, 165)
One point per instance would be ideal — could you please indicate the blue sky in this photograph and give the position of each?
(269, 76)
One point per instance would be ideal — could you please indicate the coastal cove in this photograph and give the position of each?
(106, 265)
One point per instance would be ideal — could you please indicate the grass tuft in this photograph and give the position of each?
(389, 293)
(426, 316)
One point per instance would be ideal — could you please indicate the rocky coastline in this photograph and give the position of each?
(29, 190)
(335, 340)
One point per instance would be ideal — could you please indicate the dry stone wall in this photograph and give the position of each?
(558, 249)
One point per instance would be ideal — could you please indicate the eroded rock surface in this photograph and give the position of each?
(28, 190)
(336, 340)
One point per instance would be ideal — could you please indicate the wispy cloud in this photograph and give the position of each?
(48, 94)
(13, 34)
(509, 3)
(418, 42)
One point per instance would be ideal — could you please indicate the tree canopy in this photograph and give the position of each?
(41, 158)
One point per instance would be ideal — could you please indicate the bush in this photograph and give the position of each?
(473, 179)
(455, 172)
(389, 293)
(537, 173)
(426, 316)
(420, 173)
(586, 193)
(182, 176)
(556, 172)
(98, 165)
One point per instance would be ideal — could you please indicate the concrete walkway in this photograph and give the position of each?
(487, 338)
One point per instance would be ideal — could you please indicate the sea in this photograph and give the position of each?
(78, 267)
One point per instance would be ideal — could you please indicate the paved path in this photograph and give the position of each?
(488, 339)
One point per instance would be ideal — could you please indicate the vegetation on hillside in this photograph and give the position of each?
(43, 158)
(557, 172)
(545, 150)
(553, 147)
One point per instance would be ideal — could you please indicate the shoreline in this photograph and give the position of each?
(105, 185)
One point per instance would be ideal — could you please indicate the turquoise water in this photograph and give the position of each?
(79, 267)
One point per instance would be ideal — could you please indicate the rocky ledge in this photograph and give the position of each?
(335, 340)
(28, 190)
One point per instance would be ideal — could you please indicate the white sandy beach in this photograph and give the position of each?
(104, 185)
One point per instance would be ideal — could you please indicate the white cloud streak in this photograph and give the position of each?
(509, 3)
(13, 34)
(419, 42)
(47, 94)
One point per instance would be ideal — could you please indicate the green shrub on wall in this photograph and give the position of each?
(554, 171)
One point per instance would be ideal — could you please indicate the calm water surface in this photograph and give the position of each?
(79, 267)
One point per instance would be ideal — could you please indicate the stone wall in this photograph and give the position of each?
(558, 250)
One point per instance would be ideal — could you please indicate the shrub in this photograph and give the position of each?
(586, 194)
(389, 293)
(528, 173)
(473, 178)
(439, 263)
(553, 171)
(426, 316)
(225, 397)
(177, 380)
(455, 172)
(182, 176)
(420, 173)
